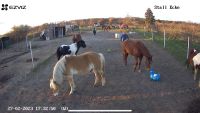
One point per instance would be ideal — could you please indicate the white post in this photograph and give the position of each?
(31, 54)
(164, 38)
(188, 47)
(152, 34)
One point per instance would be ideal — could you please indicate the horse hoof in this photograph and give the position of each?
(96, 85)
(73, 93)
(55, 94)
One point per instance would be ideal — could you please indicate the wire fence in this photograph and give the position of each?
(178, 46)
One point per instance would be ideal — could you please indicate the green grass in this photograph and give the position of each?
(176, 47)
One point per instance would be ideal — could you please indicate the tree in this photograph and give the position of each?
(149, 19)
(18, 33)
(128, 20)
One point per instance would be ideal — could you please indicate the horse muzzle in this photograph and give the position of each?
(147, 68)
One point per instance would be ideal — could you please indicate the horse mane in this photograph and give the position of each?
(57, 71)
(145, 51)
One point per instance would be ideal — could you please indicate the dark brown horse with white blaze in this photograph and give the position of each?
(194, 61)
(70, 66)
(137, 49)
(76, 37)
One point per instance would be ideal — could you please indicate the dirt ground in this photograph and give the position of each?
(23, 89)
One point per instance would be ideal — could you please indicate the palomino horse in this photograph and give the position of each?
(138, 50)
(76, 37)
(194, 61)
(69, 66)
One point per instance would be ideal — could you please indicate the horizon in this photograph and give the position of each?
(38, 13)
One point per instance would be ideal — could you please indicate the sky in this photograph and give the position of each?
(38, 12)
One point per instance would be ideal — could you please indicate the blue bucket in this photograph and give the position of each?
(155, 77)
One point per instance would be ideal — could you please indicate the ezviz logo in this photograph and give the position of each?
(5, 7)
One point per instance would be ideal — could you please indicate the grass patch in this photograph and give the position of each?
(176, 47)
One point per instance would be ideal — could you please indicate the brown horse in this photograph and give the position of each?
(106, 28)
(76, 37)
(138, 50)
(194, 61)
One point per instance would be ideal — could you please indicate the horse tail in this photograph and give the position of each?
(102, 59)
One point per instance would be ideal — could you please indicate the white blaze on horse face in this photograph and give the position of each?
(63, 45)
(196, 59)
(194, 50)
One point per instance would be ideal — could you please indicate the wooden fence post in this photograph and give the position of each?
(31, 53)
(188, 47)
(152, 34)
(164, 38)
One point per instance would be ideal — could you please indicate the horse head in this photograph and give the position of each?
(193, 52)
(76, 37)
(148, 62)
(81, 43)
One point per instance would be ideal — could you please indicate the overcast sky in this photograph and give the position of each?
(44, 11)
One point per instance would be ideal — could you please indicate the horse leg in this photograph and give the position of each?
(97, 78)
(125, 55)
(140, 60)
(199, 82)
(103, 80)
(71, 83)
(58, 53)
(195, 73)
(136, 63)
